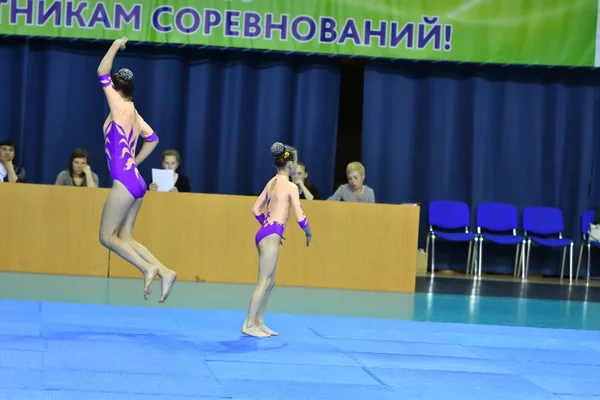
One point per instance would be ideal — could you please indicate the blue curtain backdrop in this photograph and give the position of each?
(221, 110)
(481, 133)
(595, 181)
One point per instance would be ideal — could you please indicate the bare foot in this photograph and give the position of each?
(168, 279)
(148, 278)
(268, 331)
(254, 331)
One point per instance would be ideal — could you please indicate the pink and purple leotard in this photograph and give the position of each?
(119, 147)
(271, 227)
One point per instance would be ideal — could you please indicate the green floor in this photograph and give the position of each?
(418, 307)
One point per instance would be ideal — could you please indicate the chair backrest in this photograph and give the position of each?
(543, 220)
(497, 217)
(449, 214)
(587, 217)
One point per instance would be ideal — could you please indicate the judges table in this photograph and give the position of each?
(210, 238)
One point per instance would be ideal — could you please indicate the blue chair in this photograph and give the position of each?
(498, 223)
(539, 224)
(587, 217)
(446, 216)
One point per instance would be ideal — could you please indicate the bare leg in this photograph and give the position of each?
(260, 317)
(268, 253)
(125, 232)
(116, 207)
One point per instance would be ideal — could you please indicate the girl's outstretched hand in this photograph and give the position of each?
(121, 42)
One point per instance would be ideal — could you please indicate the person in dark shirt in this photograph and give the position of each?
(307, 189)
(9, 171)
(170, 160)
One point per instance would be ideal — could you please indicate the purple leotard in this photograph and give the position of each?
(120, 151)
(119, 148)
(269, 229)
(273, 227)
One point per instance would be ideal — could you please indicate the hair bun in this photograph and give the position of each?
(277, 150)
(125, 74)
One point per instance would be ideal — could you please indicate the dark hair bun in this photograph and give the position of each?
(277, 150)
(125, 74)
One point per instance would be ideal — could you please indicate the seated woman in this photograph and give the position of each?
(79, 173)
(170, 160)
(355, 190)
(307, 189)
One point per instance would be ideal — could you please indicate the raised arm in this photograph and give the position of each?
(150, 141)
(259, 204)
(114, 99)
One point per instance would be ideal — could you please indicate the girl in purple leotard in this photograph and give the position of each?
(122, 128)
(279, 195)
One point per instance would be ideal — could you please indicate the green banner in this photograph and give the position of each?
(545, 32)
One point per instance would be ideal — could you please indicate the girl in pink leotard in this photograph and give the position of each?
(122, 128)
(279, 195)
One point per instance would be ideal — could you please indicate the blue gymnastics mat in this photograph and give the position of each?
(85, 351)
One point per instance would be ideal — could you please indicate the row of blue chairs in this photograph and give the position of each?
(499, 223)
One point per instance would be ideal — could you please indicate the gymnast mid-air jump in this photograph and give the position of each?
(122, 128)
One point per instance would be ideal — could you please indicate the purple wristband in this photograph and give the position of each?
(303, 224)
(151, 138)
(106, 80)
(260, 218)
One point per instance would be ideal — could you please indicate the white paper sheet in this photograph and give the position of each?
(164, 178)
